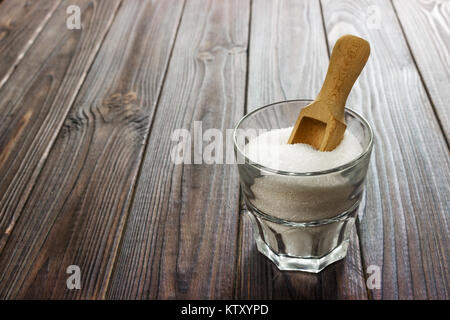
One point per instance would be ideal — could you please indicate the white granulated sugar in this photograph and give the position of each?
(271, 150)
(303, 198)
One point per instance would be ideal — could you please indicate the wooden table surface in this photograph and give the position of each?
(86, 123)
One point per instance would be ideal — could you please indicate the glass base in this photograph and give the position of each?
(313, 265)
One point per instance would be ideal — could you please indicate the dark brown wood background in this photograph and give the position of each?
(86, 118)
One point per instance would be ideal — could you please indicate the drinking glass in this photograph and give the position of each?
(301, 220)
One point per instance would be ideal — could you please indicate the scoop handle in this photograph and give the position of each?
(349, 56)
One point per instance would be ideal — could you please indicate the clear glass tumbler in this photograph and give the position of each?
(301, 221)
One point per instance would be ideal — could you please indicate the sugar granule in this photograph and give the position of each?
(271, 150)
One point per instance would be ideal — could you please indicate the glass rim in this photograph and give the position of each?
(342, 167)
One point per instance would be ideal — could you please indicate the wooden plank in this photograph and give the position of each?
(36, 99)
(76, 212)
(181, 236)
(426, 25)
(281, 68)
(405, 230)
(20, 23)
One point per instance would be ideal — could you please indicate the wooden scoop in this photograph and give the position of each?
(321, 124)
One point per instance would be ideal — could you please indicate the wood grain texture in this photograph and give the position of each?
(405, 228)
(280, 68)
(86, 124)
(20, 23)
(181, 236)
(37, 97)
(426, 25)
(288, 60)
(77, 210)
